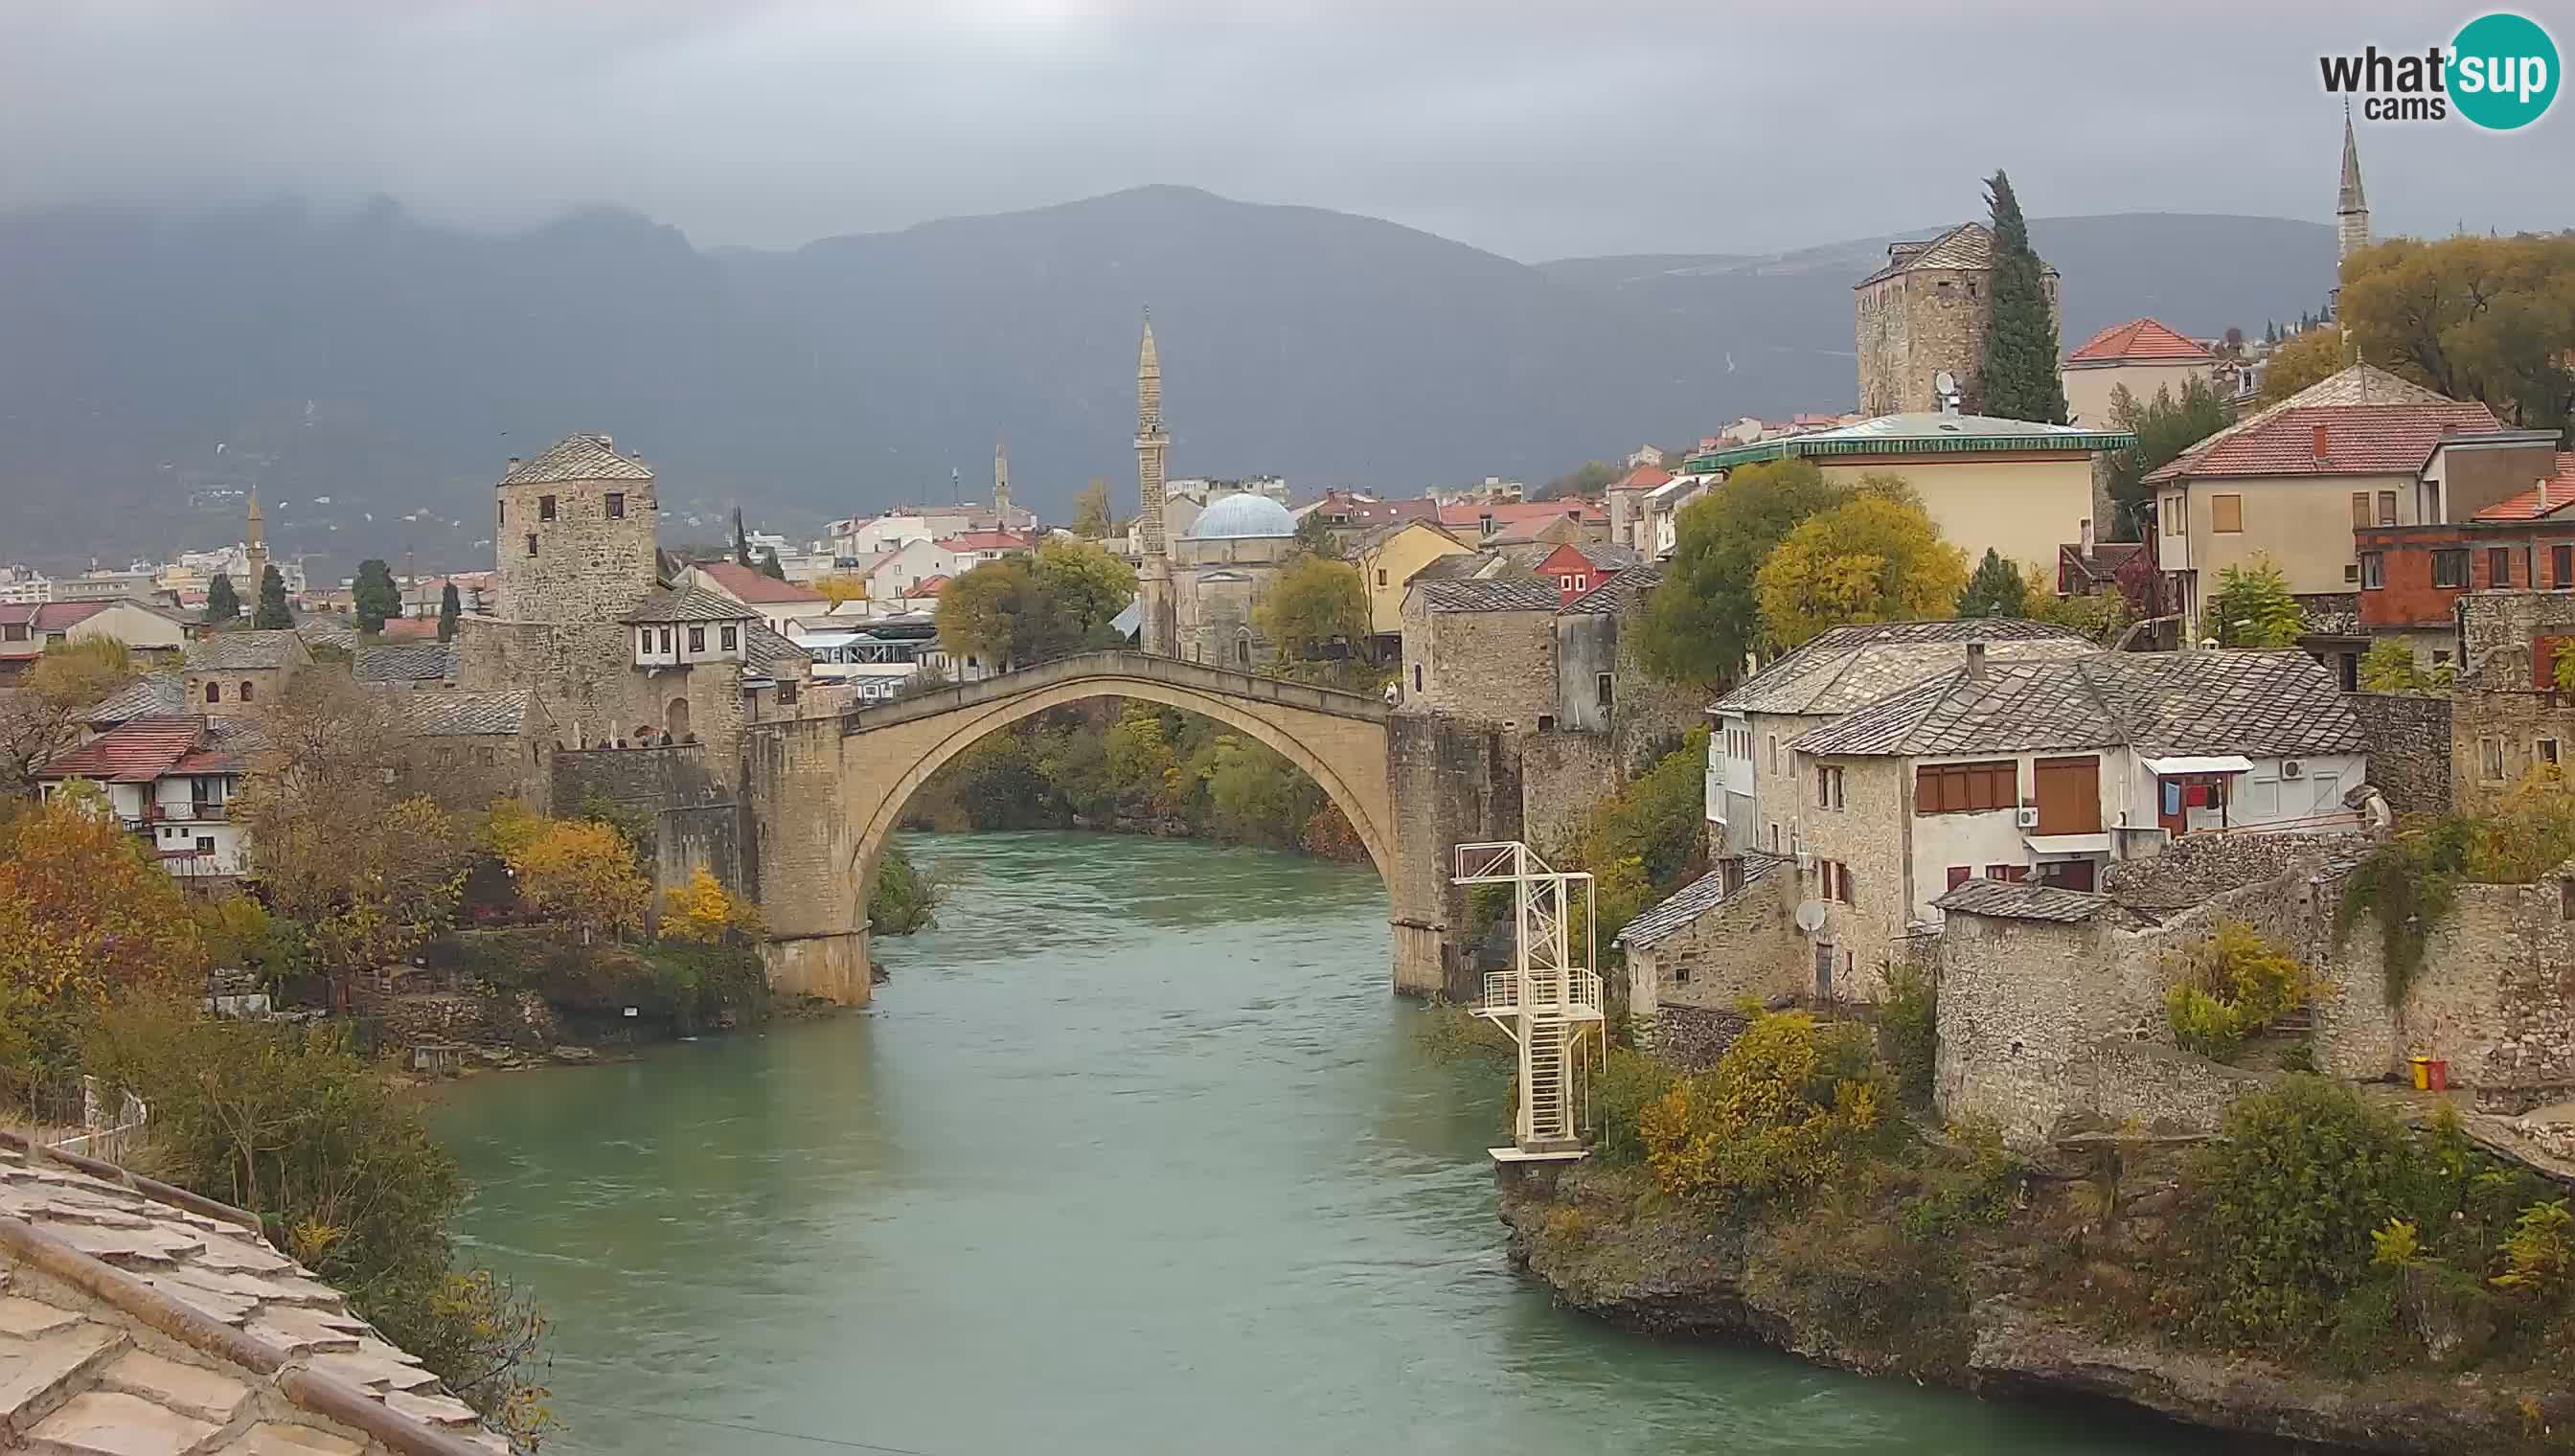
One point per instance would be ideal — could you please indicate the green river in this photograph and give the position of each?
(1135, 1154)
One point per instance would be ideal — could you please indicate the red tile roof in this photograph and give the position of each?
(63, 615)
(137, 750)
(748, 584)
(985, 540)
(1518, 513)
(2139, 341)
(2357, 440)
(928, 586)
(2538, 500)
(1643, 478)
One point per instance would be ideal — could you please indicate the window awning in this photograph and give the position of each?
(2204, 764)
(2067, 843)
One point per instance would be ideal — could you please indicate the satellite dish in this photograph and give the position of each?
(1810, 917)
(1946, 382)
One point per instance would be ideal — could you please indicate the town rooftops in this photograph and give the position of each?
(1385, 530)
(997, 540)
(409, 661)
(138, 750)
(2163, 705)
(2261, 444)
(773, 655)
(1518, 513)
(2138, 341)
(1643, 478)
(1619, 593)
(246, 652)
(750, 583)
(577, 458)
(2544, 500)
(1498, 593)
(1847, 667)
(110, 1276)
(2022, 900)
(688, 603)
(1922, 433)
(150, 695)
(446, 713)
(1694, 900)
(2085, 571)
(1967, 246)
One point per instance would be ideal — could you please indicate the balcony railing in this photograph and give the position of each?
(1572, 991)
(191, 811)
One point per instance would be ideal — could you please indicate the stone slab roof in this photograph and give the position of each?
(428, 661)
(1694, 900)
(439, 712)
(138, 1319)
(688, 603)
(1968, 245)
(773, 655)
(1501, 593)
(151, 694)
(246, 652)
(2259, 704)
(2022, 902)
(578, 458)
(1620, 592)
(1847, 667)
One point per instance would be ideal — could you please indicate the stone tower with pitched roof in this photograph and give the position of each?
(1927, 311)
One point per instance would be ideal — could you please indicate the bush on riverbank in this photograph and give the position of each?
(904, 898)
(687, 987)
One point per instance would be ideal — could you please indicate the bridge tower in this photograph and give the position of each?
(1158, 633)
(1550, 1001)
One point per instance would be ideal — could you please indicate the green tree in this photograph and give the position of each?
(1143, 768)
(2021, 379)
(1704, 621)
(2253, 607)
(1874, 558)
(273, 615)
(983, 613)
(1311, 602)
(2390, 667)
(450, 608)
(1081, 587)
(1587, 479)
(741, 541)
(1090, 517)
(1315, 537)
(2475, 318)
(1996, 590)
(769, 568)
(2314, 356)
(44, 714)
(375, 596)
(222, 603)
(2164, 427)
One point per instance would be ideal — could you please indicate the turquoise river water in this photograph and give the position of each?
(1133, 1155)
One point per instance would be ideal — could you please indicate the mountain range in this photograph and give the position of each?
(369, 370)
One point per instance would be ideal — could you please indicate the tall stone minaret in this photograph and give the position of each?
(1001, 486)
(1157, 631)
(254, 554)
(2351, 208)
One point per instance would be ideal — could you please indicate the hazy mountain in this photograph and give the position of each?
(154, 363)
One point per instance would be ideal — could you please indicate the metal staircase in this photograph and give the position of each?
(1550, 1001)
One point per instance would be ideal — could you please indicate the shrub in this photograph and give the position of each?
(704, 912)
(904, 899)
(1909, 1030)
(2234, 985)
(1778, 1114)
(1630, 1083)
(2539, 1253)
(1972, 1190)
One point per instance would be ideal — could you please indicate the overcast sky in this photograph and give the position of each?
(1537, 130)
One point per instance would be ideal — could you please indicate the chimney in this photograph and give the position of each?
(1976, 661)
(2087, 537)
(512, 466)
(2321, 451)
(2543, 494)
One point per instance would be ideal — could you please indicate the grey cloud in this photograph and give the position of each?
(1534, 130)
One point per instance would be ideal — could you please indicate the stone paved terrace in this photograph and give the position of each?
(137, 1320)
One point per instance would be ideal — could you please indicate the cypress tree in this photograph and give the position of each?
(1996, 590)
(769, 568)
(272, 615)
(375, 596)
(2020, 381)
(741, 541)
(222, 603)
(449, 609)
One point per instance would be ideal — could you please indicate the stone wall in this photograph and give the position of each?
(2153, 1088)
(2497, 631)
(586, 680)
(1452, 783)
(2409, 749)
(1871, 835)
(467, 773)
(1563, 776)
(2497, 735)
(1745, 946)
(2495, 999)
(1691, 1038)
(520, 1019)
(1497, 667)
(698, 819)
(587, 567)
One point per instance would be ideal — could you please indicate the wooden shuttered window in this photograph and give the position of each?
(2361, 514)
(2226, 514)
(1967, 788)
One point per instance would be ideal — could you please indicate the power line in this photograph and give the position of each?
(745, 1427)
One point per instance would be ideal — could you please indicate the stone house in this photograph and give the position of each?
(2499, 736)
(1481, 649)
(1659, 530)
(2050, 771)
(2412, 577)
(2280, 482)
(1579, 568)
(1624, 501)
(1926, 312)
(234, 673)
(774, 602)
(468, 750)
(1389, 556)
(1843, 668)
(2141, 356)
(1724, 937)
(169, 779)
(2009, 486)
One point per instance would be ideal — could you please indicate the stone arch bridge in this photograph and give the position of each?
(822, 795)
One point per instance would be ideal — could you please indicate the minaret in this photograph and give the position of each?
(254, 553)
(2351, 208)
(1156, 633)
(1001, 486)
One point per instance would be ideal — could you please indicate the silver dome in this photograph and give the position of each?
(1243, 515)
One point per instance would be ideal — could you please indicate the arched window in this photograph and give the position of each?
(214, 692)
(246, 690)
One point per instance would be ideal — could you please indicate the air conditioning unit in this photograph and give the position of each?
(2028, 818)
(2291, 768)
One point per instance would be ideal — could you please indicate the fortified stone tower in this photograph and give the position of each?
(1926, 310)
(573, 533)
(1155, 631)
(254, 554)
(2351, 207)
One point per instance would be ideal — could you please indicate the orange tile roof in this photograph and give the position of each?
(1643, 478)
(927, 586)
(748, 584)
(985, 540)
(2139, 341)
(1515, 513)
(2358, 440)
(137, 750)
(2539, 501)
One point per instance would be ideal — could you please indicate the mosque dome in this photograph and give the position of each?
(1239, 516)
